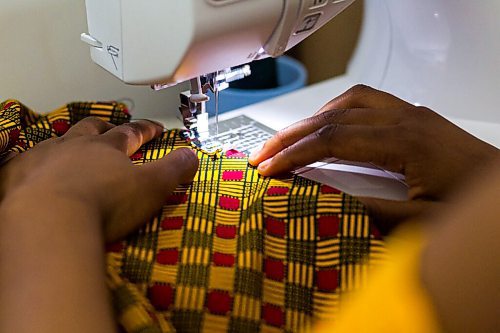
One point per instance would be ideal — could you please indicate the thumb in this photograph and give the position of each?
(155, 181)
(164, 175)
(388, 214)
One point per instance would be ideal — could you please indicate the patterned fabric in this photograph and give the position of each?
(233, 251)
(21, 128)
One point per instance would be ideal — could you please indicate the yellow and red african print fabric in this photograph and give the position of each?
(233, 251)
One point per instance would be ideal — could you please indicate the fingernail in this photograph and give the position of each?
(253, 156)
(264, 165)
(255, 153)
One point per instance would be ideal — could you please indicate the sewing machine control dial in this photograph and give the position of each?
(300, 19)
(315, 4)
(309, 23)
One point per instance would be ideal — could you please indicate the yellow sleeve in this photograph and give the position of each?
(395, 300)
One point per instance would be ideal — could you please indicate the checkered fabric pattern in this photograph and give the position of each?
(21, 128)
(233, 251)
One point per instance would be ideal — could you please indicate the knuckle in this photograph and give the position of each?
(123, 137)
(426, 116)
(131, 130)
(324, 117)
(358, 93)
(324, 137)
(281, 138)
(361, 92)
(422, 112)
(337, 115)
(360, 89)
(327, 132)
(423, 109)
(94, 122)
(288, 158)
(329, 116)
(92, 125)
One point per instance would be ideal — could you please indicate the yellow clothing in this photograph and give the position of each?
(395, 299)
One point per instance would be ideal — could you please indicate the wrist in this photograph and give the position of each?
(33, 203)
(50, 247)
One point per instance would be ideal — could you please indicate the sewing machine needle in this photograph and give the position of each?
(216, 111)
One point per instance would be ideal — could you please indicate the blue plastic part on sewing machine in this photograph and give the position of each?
(292, 75)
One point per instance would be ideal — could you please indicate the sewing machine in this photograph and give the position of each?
(439, 53)
(167, 42)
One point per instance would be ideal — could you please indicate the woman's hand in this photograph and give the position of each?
(367, 125)
(89, 166)
(60, 201)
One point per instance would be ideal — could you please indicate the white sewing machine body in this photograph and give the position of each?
(171, 41)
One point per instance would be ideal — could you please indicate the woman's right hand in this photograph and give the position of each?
(367, 125)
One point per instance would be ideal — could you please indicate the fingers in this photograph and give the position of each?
(130, 137)
(163, 176)
(377, 144)
(127, 137)
(361, 96)
(88, 126)
(389, 214)
(290, 135)
(360, 105)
